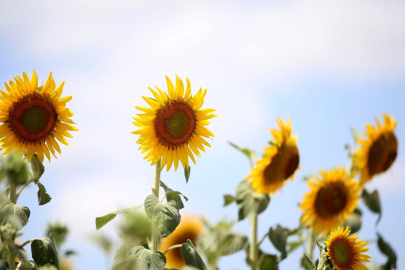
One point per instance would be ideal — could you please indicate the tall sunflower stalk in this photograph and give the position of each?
(34, 119)
(171, 131)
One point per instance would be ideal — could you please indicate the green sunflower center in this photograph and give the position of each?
(35, 119)
(341, 253)
(178, 124)
(382, 153)
(175, 123)
(331, 199)
(32, 118)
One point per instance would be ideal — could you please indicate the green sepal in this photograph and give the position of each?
(187, 172)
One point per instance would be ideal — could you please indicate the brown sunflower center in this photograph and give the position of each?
(331, 199)
(181, 239)
(32, 118)
(175, 123)
(382, 153)
(341, 253)
(283, 164)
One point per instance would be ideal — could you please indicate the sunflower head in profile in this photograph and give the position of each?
(344, 251)
(34, 118)
(189, 228)
(279, 162)
(174, 126)
(377, 151)
(333, 196)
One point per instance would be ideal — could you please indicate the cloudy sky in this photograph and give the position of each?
(328, 65)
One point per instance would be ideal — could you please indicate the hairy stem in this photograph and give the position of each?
(155, 190)
(172, 247)
(253, 244)
(11, 254)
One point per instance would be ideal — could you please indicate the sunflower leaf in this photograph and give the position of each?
(249, 201)
(309, 262)
(172, 195)
(372, 201)
(44, 252)
(103, 220)
(251, 155)
(166, 215)
(138, 257)
(228, 199)
(386, 249)
(43, 195)
(16, 215)
(278, 238)
(191, 256)
(37, 168)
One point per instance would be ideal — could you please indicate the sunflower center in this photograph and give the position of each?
(341, 253)
(32, 118)
(382, 153)
(175, 123)
(282, 165)
(331, 200)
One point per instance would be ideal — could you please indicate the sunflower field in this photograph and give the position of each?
(153, 135)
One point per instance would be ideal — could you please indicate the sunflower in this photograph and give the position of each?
(344, 251)
(189, 228)
(174, 125)
(279, 162)
(332, 198)
(33, 117)
(378, 151)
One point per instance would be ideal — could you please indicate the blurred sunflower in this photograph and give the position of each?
(34, 117)
(344, 251)
(332, 198)
(279, 162)
(189, 228)
(378, 151)
(174, 125)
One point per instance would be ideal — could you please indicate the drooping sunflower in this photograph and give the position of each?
(331, 199)
(279, 162)
(344, 251)
(378, 151)
(189, 228)
(34, 118)
(174, 125)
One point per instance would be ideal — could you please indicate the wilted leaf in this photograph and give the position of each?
(43, 196)
(37, 168)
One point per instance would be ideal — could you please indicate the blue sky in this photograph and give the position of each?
(329, 66)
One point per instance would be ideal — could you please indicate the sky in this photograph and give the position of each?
(330, 66)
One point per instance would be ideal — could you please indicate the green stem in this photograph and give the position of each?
(11, 254)
(172, 247)
(21, 189)
(155, 190)
(311, 245)
(253, 244)
(263, 238)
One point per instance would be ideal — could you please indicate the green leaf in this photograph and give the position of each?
(187, 171)
(309, 262)
(251, 155)
(228, 199)
(101, 221)
(278, 237)
(37, 168)
(166, 215)
(191, 256)
(268, 262)
(14, 214)
(138, 258)
(172, 195)
(103, 242)
(249, 201)
(386, 249)
(44, 252)
(354, 221)
(294, 245)
(43, 196)
(372, 200)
